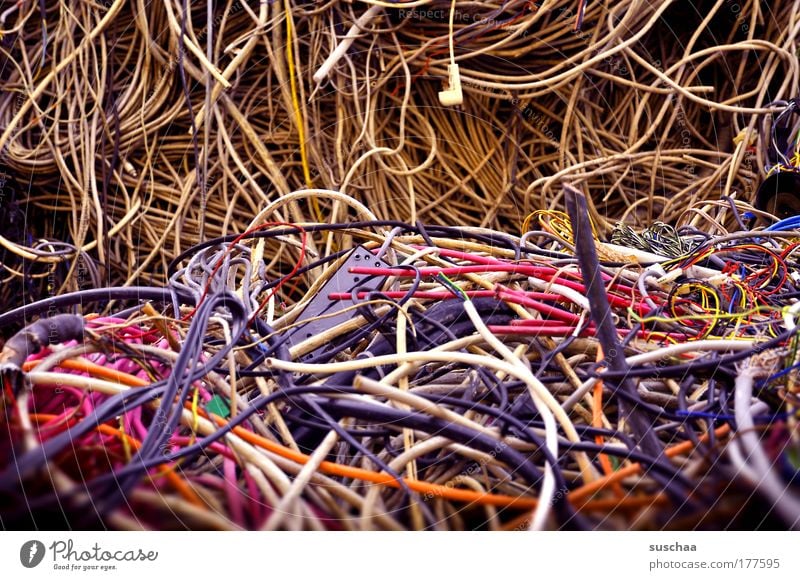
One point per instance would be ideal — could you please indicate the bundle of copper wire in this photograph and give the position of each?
(133, 130)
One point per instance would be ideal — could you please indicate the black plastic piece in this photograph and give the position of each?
(779, 194)
(336, 311)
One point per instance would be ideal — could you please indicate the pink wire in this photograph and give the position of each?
(558, 313)
(464, 256)
(232, 491)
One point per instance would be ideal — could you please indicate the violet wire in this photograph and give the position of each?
(137, 423)
(215, 446)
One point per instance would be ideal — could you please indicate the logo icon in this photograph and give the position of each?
(31, 553)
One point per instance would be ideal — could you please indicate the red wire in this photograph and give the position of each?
(290, 275)
(568, 330)
(8, 391)
(442, 295)
(548, 274)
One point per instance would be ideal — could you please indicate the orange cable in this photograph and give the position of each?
(597, 422)
(630, 503)
(380, 478)
(633, 469)
(87, 366)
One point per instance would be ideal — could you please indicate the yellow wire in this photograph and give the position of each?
(296, 105)
(126, 446)
(719, 315)
(554, 222)
(195, 414)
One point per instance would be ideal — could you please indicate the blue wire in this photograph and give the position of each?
(777, 375)
(727, 417)
(789, 223)
(733, 300)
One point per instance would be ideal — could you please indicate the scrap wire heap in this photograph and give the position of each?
(400, 376)
(130, 131)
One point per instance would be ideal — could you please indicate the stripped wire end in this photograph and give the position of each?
(452, 287)
(579, 17)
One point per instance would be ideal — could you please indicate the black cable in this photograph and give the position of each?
(606, 331)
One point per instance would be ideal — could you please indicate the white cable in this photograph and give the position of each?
(454, 94)
(767, 482)
(547, 493)
(408, 362)
(554, 288)
(355, 31)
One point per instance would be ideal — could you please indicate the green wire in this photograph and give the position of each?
(452, 286)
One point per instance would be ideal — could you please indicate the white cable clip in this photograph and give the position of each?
(453, 95)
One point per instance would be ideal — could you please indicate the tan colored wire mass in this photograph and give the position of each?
(131, 131)
(639, 107)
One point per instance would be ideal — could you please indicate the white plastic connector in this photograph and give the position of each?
(453, 95)
(790, 316)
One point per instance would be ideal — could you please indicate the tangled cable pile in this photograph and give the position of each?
(431, 377)
(134, 130)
